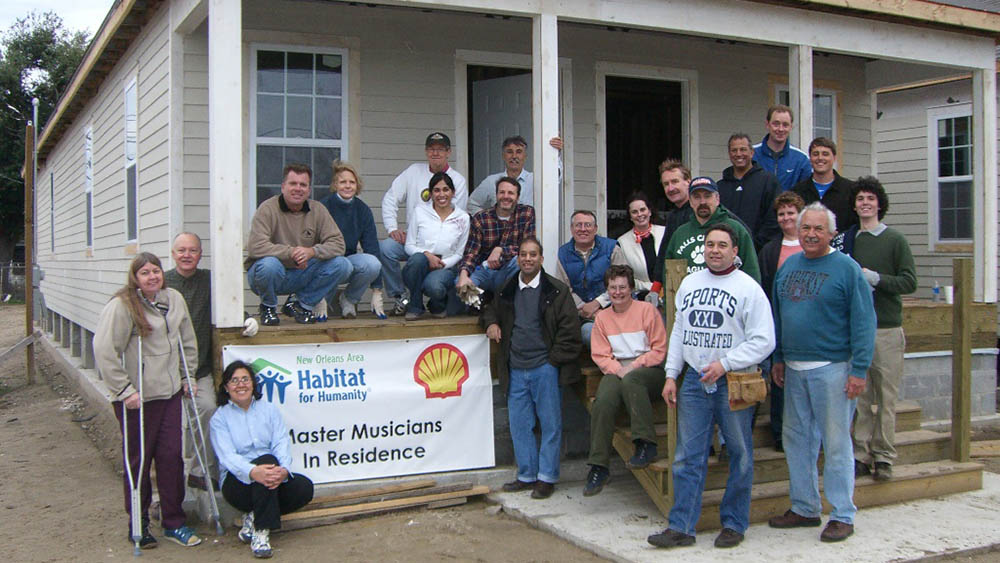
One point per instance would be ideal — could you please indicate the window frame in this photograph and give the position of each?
(254, 140)
(52, 212)
(834, 110)
(934, 115)
(131, 211)
(88, 183)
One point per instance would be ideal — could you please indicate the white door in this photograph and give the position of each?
(501, 107)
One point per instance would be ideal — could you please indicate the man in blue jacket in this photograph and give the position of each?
(824, 323)
(776, 154)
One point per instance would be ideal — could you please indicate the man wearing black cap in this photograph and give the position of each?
(411, 188)
(688, 241)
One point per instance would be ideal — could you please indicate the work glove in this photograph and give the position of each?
(377, 307)
(250, 327)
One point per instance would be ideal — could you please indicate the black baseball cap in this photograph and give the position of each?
(437, 138)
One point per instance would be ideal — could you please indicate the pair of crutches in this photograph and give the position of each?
(135, 481)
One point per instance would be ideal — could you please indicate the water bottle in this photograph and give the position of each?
(710, 387)
(936, 292)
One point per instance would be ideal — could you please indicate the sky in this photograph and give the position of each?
(76, 14)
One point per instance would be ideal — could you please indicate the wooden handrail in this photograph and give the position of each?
(961, 360)
(675, 270)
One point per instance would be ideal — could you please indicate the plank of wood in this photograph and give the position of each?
(397, 503)
(986, 448)
(20, 345)
(456, 487)
(447, 503)
(375, 491)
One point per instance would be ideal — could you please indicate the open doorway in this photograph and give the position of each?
(643, 127)
(500, 107)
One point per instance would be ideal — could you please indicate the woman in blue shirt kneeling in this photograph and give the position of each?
(251, 442)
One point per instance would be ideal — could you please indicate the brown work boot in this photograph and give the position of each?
(793, 520)
(542, 490)
(836, 531)
(518, 485)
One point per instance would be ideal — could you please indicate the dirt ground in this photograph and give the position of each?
(61, 496)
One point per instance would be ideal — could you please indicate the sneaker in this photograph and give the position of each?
(542, 490)
(260, 545)
(883, 471)
(184, 536)
(413, 315)
(518, 485)
(302, 315)
(670, 538)
(836, 531)
(247, 531)
(645, 453)
(348, 310)
(377, 309)
(269, 316)
(793, 520)
(728, 538)
(596, 479)
(861, 469)
(399, 305)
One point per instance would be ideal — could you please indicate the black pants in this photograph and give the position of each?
(268, 504)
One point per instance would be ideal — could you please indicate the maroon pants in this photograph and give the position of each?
(162, 428)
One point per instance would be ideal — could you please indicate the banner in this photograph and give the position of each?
(358, 410)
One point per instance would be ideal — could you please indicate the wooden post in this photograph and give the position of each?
(961, 359)
(800, 93)
(545, 125)
(29, 245)
(675, 272)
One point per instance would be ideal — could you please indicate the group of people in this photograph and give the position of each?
(792, 278)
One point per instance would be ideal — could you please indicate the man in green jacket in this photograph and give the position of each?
(887, 264)
(688, 241)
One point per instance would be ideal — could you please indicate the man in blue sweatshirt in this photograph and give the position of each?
(775, 152)
(824, 322)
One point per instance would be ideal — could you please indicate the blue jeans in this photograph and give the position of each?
(817, 411)
(269, 278)
(489, 279)
(698, 413)
(364, 272)
(420, 279)
(586, 327)
(392, 254)
(535, 392)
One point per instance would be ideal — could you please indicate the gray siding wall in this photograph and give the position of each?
(195, 132)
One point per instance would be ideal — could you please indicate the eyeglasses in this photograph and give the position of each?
(239, 380)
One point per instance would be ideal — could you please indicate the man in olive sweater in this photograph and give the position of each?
(887, 264)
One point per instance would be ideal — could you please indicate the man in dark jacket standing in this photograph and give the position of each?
(676, 179)
(826, 185)
(748, 191)
(535, 322)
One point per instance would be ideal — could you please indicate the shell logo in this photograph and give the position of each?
(441, 370)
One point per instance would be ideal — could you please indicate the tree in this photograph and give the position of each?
(38, 57)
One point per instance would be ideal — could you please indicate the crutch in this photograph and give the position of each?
(200, 447)
(135, 482)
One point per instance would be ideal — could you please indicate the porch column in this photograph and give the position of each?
(984, 158)
(225, 159)
(800, 94)
(545, 117)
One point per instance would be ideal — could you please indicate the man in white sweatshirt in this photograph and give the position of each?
(723, 324)
(411, 188)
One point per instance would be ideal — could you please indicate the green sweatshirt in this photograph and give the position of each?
(887, 253)
(688, 243)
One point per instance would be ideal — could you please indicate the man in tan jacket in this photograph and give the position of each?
(295, 247)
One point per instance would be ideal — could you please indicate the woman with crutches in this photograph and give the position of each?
(136, 348)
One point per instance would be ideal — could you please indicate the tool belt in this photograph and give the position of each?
(746, 388)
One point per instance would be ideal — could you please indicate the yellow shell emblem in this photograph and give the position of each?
(441, 370)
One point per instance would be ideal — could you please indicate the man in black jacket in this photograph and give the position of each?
(748, 191)
(536, 324)
(826, 185)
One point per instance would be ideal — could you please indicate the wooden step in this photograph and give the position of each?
(909, 482)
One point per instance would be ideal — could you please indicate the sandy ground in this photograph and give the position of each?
(61, 496)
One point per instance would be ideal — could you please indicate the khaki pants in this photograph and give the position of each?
(875, 435)
(205, 399)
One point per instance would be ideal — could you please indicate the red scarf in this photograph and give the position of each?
(639, 236)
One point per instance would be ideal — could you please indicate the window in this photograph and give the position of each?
(131, 162)
(824, 111)
(298, 114)
(88, 182)
(949, 174)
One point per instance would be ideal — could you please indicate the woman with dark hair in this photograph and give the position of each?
(435, 241)
(147, 322)
(251, 442)
(640, 243)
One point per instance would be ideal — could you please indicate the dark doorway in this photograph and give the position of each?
(643, 128)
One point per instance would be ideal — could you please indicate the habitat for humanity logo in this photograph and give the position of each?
(272, 378)
(441, 370)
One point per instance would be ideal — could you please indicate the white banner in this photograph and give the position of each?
(358, 410)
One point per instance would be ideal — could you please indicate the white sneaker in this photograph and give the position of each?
(347, 309)
(261, 544)
(246, 532)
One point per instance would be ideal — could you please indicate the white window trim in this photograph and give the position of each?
(254, 140)
(133, 83)
(88, 184)
(935, 114)
(52, 212)
(835, 133)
